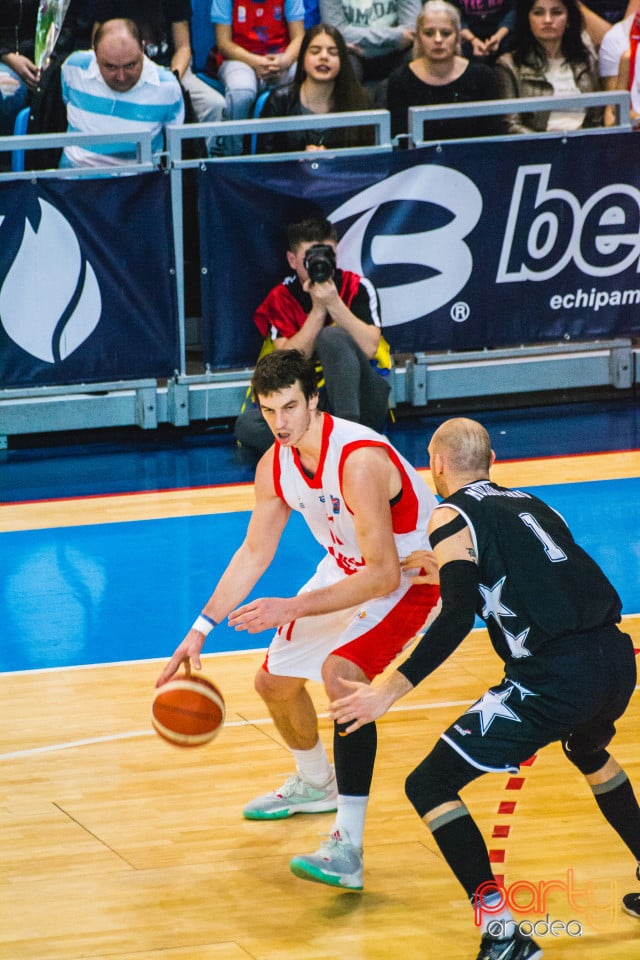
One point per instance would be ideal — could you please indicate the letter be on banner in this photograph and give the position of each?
(610, 232)
(541, 228)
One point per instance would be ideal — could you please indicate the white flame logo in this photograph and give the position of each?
(442, 249)
(42, 287)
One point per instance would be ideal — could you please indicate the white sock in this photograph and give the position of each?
(313, 764)
(351, 816)
(499, 924)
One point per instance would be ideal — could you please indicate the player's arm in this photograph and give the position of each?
(454, 550)
(245, 568)
(367, 489)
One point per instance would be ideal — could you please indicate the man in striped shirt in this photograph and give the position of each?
(115, 88)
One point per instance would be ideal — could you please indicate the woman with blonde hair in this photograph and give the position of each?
(439, 74)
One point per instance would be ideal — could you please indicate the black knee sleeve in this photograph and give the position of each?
(438, 779)
(584, 755)
(354, 755)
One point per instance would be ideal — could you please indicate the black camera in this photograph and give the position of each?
(320, 262)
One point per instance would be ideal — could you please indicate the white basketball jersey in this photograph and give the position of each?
(321, 502)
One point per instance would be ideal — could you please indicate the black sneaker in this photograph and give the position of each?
(631, 904)
(508, 948)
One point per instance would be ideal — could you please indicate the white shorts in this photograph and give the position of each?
(370, 635)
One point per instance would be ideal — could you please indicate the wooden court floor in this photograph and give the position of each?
(116, 846)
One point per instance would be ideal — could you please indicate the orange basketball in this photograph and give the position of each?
(188, 711)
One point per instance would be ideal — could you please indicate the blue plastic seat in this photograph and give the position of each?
(201, 41)
(19, 129)
(261, 99)
(211, 82)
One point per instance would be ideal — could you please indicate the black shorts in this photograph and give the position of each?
(581, 690)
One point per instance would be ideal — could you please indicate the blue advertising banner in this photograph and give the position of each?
(87, 281)
(470, 245)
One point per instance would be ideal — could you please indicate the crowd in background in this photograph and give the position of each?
(305, 57)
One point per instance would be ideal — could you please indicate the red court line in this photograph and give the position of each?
(502, 831)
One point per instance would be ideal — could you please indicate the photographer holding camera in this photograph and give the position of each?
(332, 315)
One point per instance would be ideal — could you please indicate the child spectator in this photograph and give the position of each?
(257, 47)
(486, 27)
(324, 82)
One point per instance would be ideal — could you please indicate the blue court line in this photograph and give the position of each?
(128, 591)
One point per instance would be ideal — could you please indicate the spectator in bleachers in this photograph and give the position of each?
(311, 13)
(164, 26)
(114, 88)
(379, 36)
(257, 48)
(20, 76)
(334, 316)
(595, 25)
(324, 82)
(614, 74)
(610, 11)
(486, 27)
(440, 75)
(628, 78)
(552, 56)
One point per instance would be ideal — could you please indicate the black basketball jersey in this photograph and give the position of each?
(537, 586)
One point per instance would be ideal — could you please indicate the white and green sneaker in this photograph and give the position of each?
(296, 795)
(338, 863)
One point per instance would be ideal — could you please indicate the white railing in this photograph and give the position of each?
(215, 394)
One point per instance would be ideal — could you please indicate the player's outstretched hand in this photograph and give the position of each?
(361, 704)
(188, 653)
(262, 614)
(424, 565)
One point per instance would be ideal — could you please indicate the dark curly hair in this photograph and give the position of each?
(282, 368)
(526, 49)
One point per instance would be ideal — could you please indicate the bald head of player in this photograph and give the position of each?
(460, 453)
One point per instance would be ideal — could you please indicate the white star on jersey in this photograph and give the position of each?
(493, 605)
(516, 644)
(522, 690)
(493, 705)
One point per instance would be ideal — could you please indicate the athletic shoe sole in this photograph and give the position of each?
(306, 872)
(319, 807)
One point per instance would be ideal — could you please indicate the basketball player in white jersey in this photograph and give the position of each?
(368, 508)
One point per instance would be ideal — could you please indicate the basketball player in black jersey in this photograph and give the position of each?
(552, 617)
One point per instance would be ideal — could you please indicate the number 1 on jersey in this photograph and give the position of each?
(551, 548)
